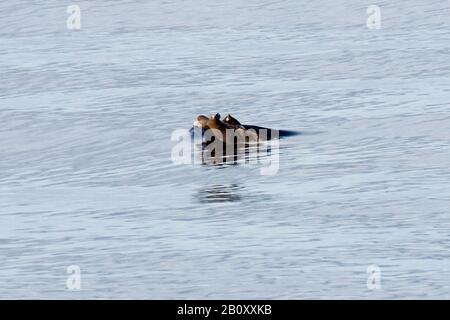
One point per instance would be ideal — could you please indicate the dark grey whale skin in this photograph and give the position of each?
(281, 133)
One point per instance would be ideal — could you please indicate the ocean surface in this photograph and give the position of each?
(87, 179)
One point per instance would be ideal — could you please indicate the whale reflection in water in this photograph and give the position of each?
(219, 154)
(219, 193)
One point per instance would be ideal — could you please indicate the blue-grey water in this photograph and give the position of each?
(86, 176)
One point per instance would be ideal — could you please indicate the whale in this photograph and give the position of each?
(204, 123)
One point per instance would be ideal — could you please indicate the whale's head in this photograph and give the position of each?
(233, 122)
(201, 122)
